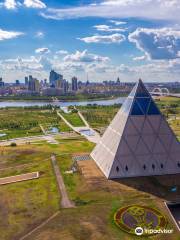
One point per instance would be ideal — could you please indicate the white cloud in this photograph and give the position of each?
(62, 52)
(42, 50)
(148, 9)
(34, 4)
(114, 38)
(161, 43)
(141, 58)
(39, 34)
(85, 57)
(106, 28)
(9, 34)
(10, 4)
(117, 23)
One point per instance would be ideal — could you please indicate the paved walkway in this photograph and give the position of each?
(25, 140)
(42, 129)
(65, 201)
(89, 133)
(19, 178)
(83, 119)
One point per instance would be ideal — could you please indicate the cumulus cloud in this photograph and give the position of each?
(34, 4)
(85, 57)
(42, 50)
(161, 43)
(114, 38)
(22, 64)
(10, 4)
(4, 35)
(149, 9)
(106, 28)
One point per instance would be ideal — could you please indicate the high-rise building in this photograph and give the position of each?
(65, 86)
(74, 84)
(30, 78)
(26, 81)
(17, 82)
(34, 85)
(53, 77)
(1, 82)
(59, 83)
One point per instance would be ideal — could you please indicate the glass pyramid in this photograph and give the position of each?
(138, 141)
(143, 103)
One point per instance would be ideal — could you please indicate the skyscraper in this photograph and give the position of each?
(26, 81)
(53, 77)
(74, 84)
(33, 85)
(1, 82)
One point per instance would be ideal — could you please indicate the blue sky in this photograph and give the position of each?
(104, 39)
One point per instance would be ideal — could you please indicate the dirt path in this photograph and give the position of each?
(40, 226)
(65, 201)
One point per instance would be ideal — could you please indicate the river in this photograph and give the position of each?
(61, 104)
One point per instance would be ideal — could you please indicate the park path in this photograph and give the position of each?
(93, 137)
(40, 226)
(65, 201)
(83, 119)
(42, 129)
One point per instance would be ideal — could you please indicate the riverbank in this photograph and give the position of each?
(68, 98)
(4, 104)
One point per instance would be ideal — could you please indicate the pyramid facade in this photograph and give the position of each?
(139, 141)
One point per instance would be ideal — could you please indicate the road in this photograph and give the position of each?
(65, 201)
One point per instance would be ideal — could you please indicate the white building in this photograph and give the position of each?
(139, 141)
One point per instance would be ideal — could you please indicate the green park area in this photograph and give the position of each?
(73, 118)
(25, 205)
(99, 116)
(24, 122)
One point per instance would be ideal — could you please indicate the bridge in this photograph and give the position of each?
(163, 92)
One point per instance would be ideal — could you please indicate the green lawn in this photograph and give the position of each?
(99, 116)
(20, 122)
(73, 118)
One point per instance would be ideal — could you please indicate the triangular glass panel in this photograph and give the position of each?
(136, 110)
(141, 148)
(138, 122)
(153, 109)
(141, 90)
(144, 104)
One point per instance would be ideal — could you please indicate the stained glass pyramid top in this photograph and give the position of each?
(142, 102)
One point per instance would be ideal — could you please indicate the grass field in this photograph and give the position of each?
(20, 122)
(25, 205)
(99, 116)
(73, 118)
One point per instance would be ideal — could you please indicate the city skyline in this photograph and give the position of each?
(104, 39)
